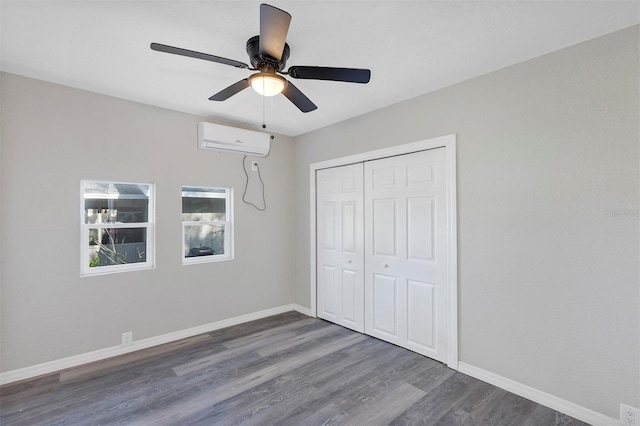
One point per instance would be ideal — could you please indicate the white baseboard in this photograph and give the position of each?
(302, 310)
(76, 360)
(574, 410)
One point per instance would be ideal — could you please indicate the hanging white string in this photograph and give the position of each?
(264, 125)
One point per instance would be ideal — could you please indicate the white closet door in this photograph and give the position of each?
(340, 246)
(405, 249)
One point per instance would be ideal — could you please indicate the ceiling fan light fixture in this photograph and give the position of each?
(267, 84)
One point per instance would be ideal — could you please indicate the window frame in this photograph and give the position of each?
(228, 228)
(149, 226)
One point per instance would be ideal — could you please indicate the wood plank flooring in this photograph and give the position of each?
(283, 370)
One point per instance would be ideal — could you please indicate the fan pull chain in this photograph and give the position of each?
(264, 126)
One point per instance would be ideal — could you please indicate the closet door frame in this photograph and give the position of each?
(449, 143)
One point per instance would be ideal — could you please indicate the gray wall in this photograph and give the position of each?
(547, 151)
(53, 136)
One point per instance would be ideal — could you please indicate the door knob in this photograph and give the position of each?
(386, 265)
(349, 261)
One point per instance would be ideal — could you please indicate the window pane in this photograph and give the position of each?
(117, 246)
(107, 202)
(204, 204)
(204, 209)
(203, 240)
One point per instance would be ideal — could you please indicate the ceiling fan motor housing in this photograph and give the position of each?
(265, 62)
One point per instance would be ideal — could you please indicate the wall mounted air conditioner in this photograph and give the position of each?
(216, 137)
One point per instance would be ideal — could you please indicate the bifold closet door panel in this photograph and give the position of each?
(405, 249)
(340, 246)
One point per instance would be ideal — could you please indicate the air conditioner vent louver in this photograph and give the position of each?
(216, 137)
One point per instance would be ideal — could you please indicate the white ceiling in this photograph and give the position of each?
(411, 47)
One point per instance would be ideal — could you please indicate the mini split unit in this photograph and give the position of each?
(216, 137)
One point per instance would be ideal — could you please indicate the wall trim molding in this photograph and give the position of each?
(574, 410)
(101, 354)
(303, 310)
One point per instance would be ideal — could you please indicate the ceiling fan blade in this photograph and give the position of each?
(274, 25)
(225, 94)
(298, 98)
(192, 54)
(350, 75)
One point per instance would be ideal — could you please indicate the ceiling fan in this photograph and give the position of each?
(268, 53)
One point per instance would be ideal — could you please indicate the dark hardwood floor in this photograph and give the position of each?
(286, 370)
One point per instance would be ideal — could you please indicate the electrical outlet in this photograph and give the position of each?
(254, 166)
(127, 338)
(629, 415)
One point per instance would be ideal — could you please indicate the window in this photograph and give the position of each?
(207, 233)
(117, 226)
